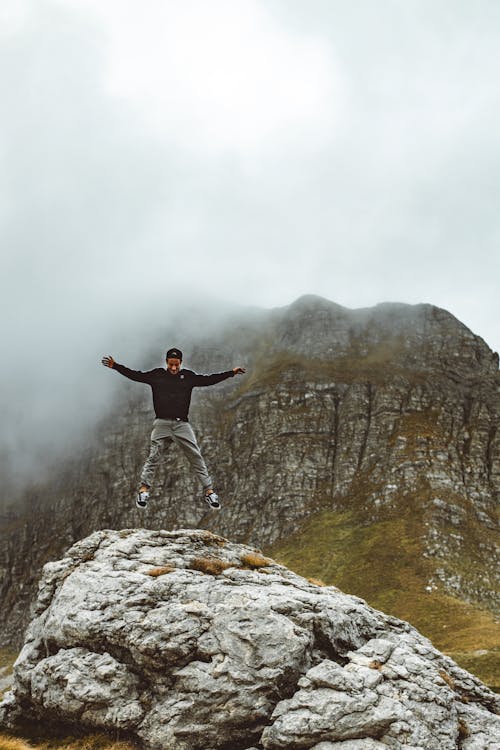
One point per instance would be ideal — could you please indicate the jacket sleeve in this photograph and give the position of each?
(203, 380)
(137, 375)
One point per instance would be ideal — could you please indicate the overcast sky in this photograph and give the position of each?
(235, 151)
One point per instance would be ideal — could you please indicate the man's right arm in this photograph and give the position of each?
(137, 375)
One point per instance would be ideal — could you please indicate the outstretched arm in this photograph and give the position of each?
(204, 380)
(137, 375)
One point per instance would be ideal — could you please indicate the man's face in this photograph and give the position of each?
(173, 365)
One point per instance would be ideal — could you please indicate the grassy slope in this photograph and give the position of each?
(383, 563)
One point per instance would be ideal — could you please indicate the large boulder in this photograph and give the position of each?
(187, 641)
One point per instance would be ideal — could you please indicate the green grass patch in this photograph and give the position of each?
(483, 663)
(7, 659)
(383, 563)
(353, 367)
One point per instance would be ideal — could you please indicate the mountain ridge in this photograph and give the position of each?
(369, 410)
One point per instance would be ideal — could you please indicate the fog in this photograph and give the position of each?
(160, 155)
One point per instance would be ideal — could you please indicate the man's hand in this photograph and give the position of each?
(238, 370)
(108, 361)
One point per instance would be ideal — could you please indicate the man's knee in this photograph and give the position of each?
(154, 450)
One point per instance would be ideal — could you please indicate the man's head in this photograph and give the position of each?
(174, 360)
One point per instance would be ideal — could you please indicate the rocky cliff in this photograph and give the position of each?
(380, 425)
(188, 642)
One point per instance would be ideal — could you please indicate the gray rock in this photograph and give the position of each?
(366, 744)
(93, 688)
(209, 652)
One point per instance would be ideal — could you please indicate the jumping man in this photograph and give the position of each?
(172, 389)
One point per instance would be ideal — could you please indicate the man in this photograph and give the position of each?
(172, 389)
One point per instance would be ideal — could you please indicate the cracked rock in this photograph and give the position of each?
(177, 639)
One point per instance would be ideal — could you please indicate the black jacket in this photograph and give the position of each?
(172, 393)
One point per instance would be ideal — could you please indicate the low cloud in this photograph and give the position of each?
(227, 154)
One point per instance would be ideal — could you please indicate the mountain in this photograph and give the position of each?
(361, 447)
(186, 641)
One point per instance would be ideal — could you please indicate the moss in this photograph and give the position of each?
(350, 368)
(7, 742)
(7, 659)
(417, 427)
(212, 539)
(447, 678)
(209, 565)
(86, 742)
(160, 571)
(254, 560)
(463, 730)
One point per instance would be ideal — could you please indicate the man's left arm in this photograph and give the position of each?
(203, 380)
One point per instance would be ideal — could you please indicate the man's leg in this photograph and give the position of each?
(156, 451)
(161, 439)
(184, 436)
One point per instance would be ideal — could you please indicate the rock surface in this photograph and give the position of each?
(187, 641)
(375, 411)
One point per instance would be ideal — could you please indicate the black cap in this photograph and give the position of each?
(174, 354)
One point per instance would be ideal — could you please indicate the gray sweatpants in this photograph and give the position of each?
(168, 431)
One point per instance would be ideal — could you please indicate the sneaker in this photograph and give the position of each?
(213, 500)
(142, 499)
